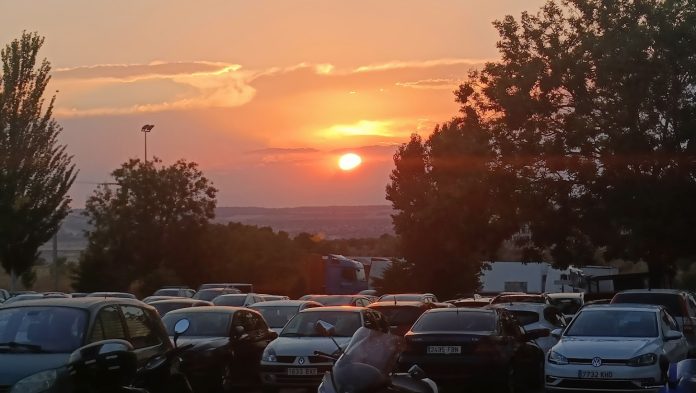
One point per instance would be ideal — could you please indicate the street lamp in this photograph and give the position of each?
(146, 128)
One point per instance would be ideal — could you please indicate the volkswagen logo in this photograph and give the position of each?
(596, 361)
(301, 361)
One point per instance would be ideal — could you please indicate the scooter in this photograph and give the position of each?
(111, 366)
(681, 377)
(366, 365)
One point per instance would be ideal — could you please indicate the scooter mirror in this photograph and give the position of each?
(416, 373)
(324, 328)
(180, 328)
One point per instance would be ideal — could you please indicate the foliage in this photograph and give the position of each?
(148, 230)
(35, 170)
(591, 109)
(398, 277)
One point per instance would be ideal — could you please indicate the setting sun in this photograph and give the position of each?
(349, 161)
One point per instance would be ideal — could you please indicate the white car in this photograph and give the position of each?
(567, 302)
(533, 316)
(615, 348)
(290, 360)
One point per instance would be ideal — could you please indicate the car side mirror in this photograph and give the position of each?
(673, 335)
(180, 328)
(536, 333)
(557, 333)
(273, 335)
(105, 363)
(325, 329)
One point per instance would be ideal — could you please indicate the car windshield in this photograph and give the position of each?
(166, 292)
(208, 294)
(202, 324)
(671, 301)
(567, 306)
(335, 300)
(302, 325)
(465, 321)
(613, 323)
(277, 316)
(525, 317)
(230, 300)
(42, 329)
(400, 316)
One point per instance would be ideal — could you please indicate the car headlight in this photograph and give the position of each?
(269, 355)
(647, 359)
(557, 358)
(36, 383)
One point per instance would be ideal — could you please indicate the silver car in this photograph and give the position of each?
(290, 360)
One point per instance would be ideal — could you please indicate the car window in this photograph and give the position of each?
(108, 325)
(525, 317)
(349, 274)
(455, 321)
(53, 329)
(671, 301)
(613, 323)
(141, 329)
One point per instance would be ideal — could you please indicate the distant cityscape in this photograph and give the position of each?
(332, 222)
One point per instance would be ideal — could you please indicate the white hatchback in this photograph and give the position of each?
(615, 348)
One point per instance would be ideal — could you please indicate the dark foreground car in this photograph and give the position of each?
(474, 345)
(227, 345)
(401, 315)
(37, 338)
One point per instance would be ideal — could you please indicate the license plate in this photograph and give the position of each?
(444, 350)
(302, 371)
(595, 374)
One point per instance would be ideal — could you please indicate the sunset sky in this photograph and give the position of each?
(264, 95)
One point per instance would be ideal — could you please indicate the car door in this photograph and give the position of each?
(675, 350)
(143, 333)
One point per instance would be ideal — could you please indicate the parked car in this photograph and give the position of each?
(277, 313)
(471, 302)
(121, 295)
(291, 362)
(34, 296)
(679, 304)
(534, 316)
(409, 297)
(227, 345)
(343, 300)
(242, 287)
(615, 347)
(151, 299)
(520, 297)
(269, 298)
(165, 306)
(567, 302)
(175, 291)
(401, 315)
(470, 345)
(211, 293)
(37, 337)
(237, 299)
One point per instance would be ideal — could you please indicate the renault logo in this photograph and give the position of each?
(596, 361)
(301, 360)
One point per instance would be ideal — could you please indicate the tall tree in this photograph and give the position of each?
(35, 170)
(592, 111)
(147, 230)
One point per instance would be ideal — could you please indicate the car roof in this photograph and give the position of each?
(623, 307)
(236, 295)
(398, 303)
(334, 308)
(80, 302)
(566, 295)
(667, 291)
(272, 303)
(462, 310)
(521, 306)
(179, 301)
(209, 309)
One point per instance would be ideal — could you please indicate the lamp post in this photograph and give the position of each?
(145, 130)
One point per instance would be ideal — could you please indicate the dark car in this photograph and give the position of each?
(277, 313)
(520, 298)
(242, 287)
(175, 291)
(34, 296)
(409, 297)
(343, 300)
(211, 293)
(227, 345)
(453, 345)
(165, 306)
(37, 337)
(121, 295)
(237, 300)
(401, 315)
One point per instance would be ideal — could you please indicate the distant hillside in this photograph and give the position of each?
(333, 222)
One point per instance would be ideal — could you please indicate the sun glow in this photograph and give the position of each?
(349, 161)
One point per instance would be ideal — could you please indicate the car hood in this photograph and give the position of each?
(606, 347)
(26, 364)
(202, 343)
(305, 346)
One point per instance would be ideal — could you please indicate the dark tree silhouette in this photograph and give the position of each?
(35, 170)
